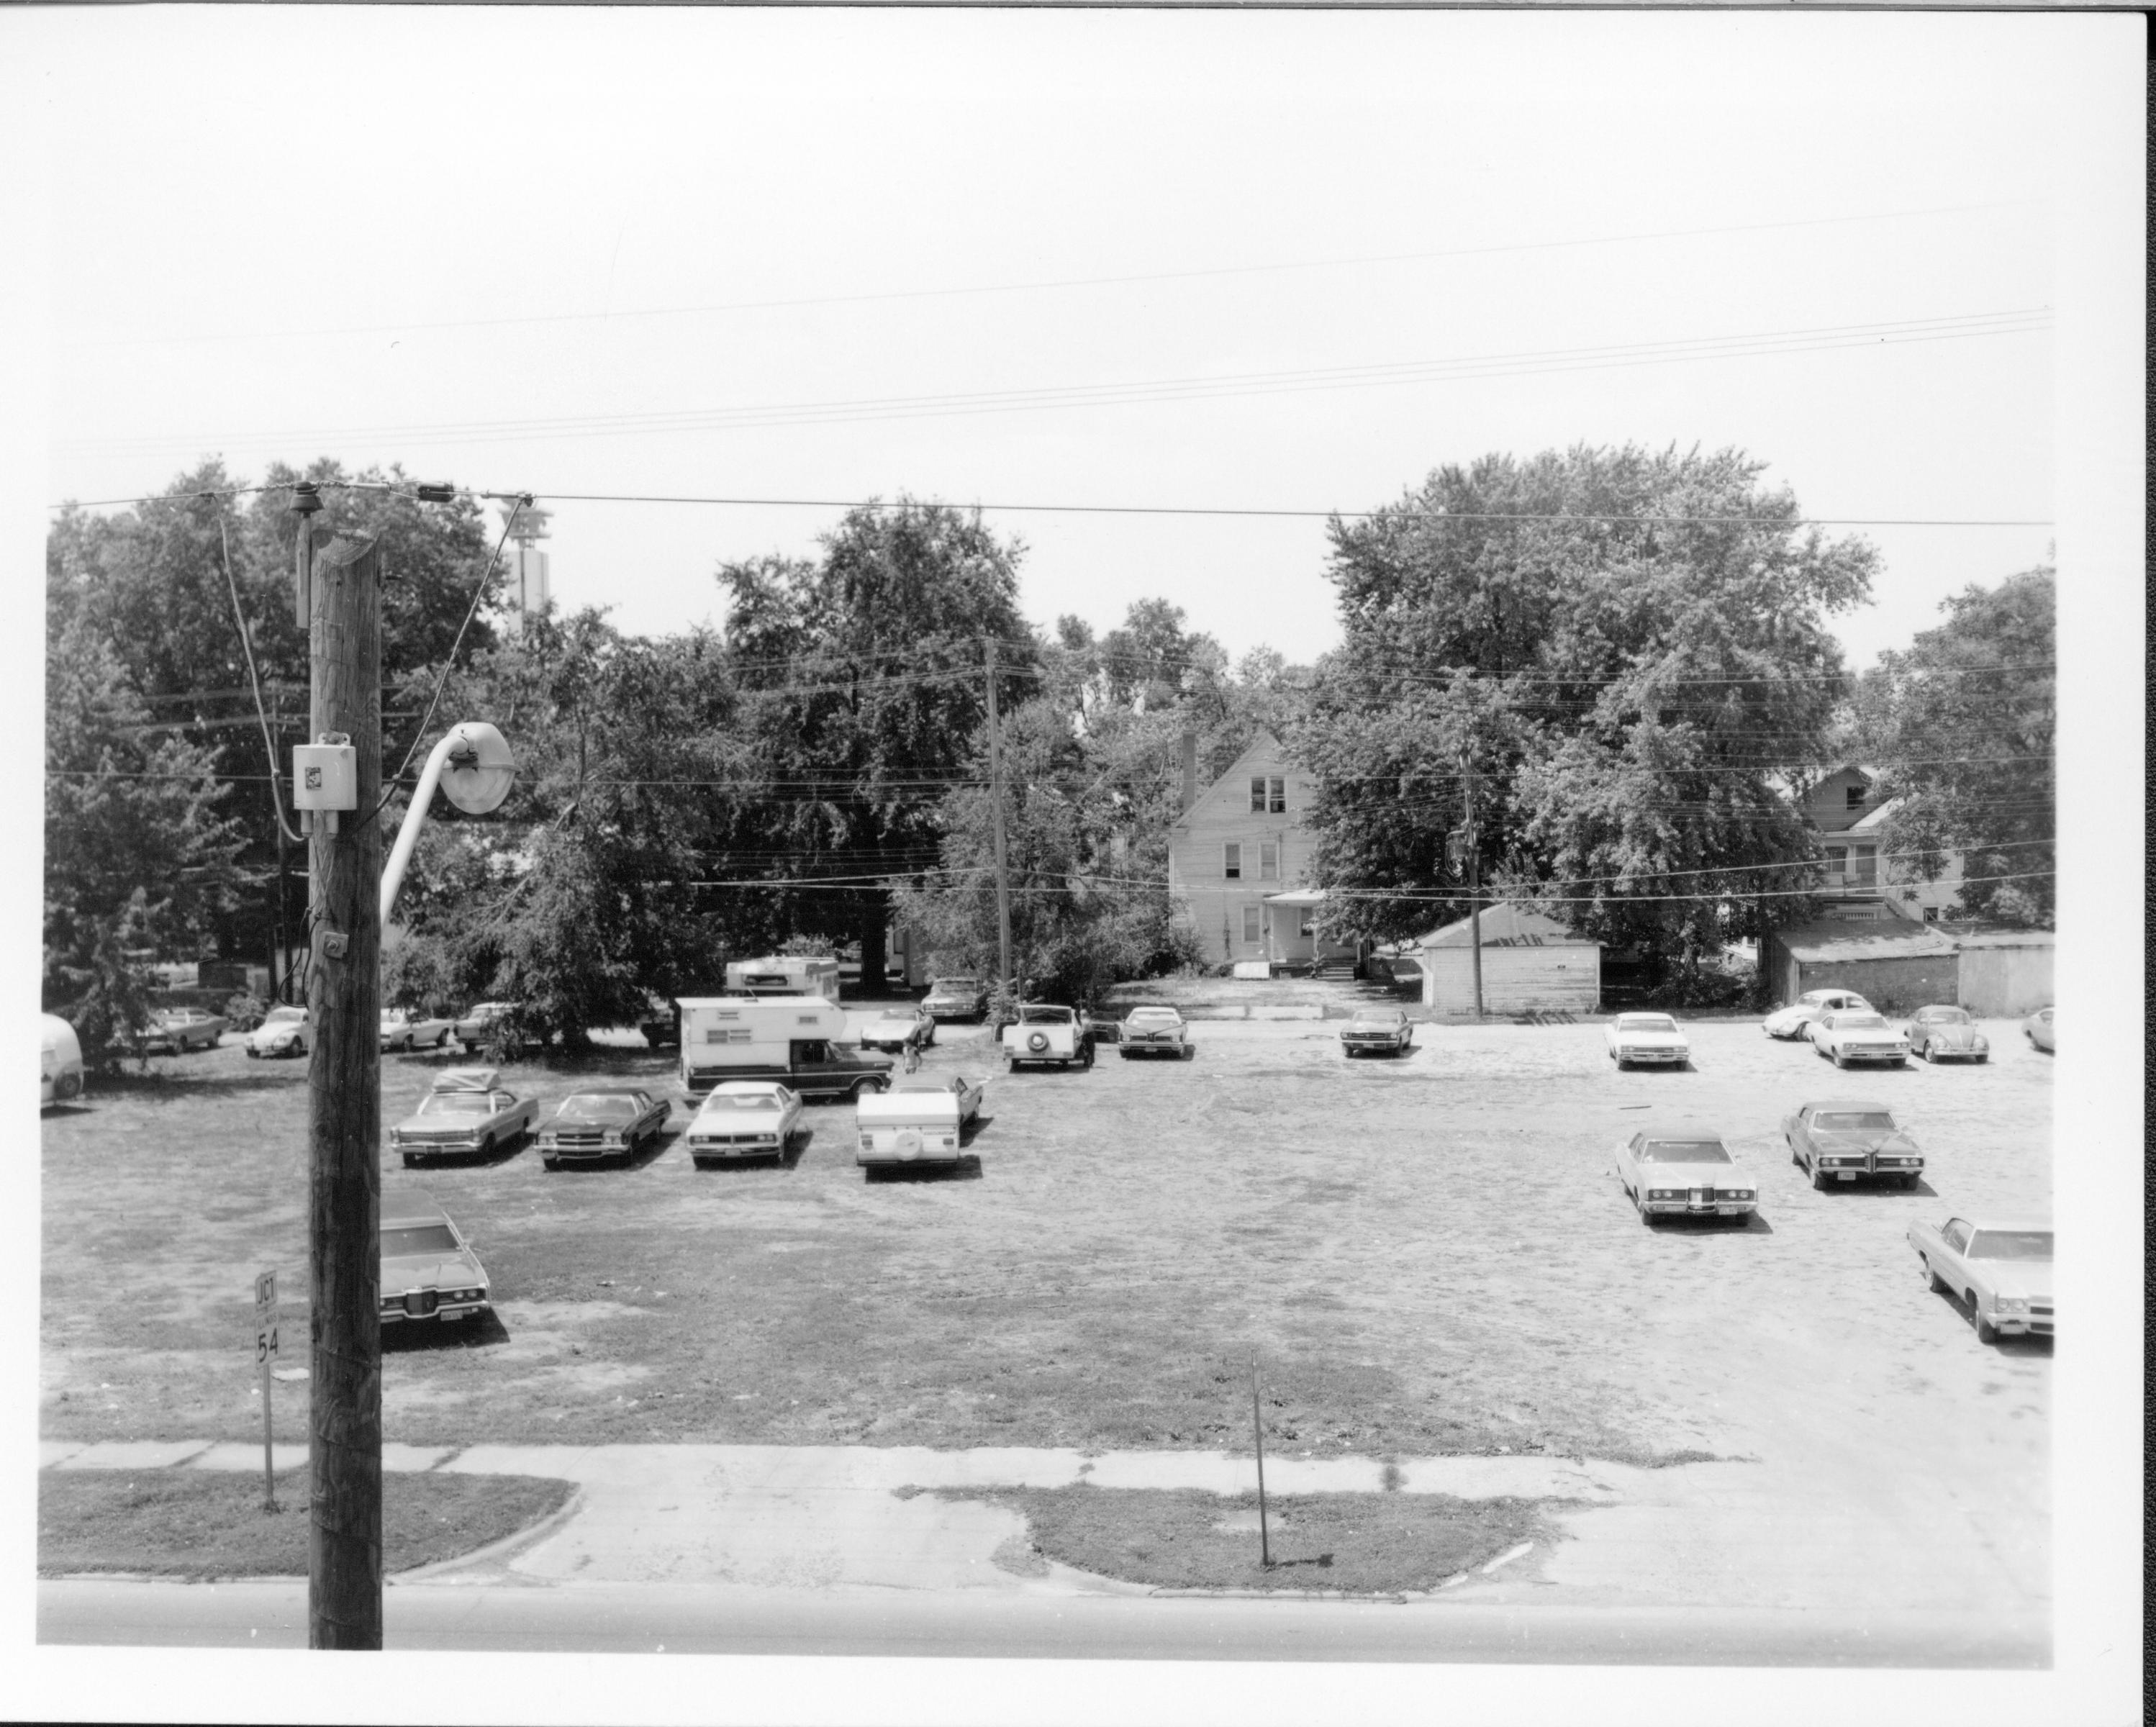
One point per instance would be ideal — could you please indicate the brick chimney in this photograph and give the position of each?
(1189, 742)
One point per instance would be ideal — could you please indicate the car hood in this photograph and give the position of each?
(1898, 1144)
(2031, 1279)
(1625, 1037)
(442, 1124)
(1946, 1033)
(429, 1271)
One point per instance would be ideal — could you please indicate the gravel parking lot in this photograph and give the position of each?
(1428, 1255)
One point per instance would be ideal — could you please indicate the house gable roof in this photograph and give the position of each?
(1508, 925)
(1265, 748)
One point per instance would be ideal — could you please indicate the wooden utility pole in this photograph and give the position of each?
(1258, 1438)
(996, 796)
(1474, 889)
(344, 1111)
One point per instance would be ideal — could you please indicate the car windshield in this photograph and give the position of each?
(417, 1238)
(1154, 1016)
(1380, 1016)
(954, 986)
(454, 1103)
(1858, 1023)
(283, 1016)
(1683, 1151)
(741, 1100)
(1646, 1023)
(601, 1108)
(1854, 1121)
(1045, 1016)
(2011, 1244)
(1944, 1015)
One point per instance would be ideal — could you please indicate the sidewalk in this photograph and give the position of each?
(1728, 1534)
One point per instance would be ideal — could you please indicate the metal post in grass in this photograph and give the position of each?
(1258, 1434)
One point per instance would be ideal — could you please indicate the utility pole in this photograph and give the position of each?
(996, 796)
(342, 582)
(1474, 887)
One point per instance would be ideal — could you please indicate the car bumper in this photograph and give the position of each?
(926, 1154)
(1142, 1045)
(2022, 1324)
(1861, 1172)
(1702, 1208)
(580, 1153)
(399, 1314)
(1665, 1057)
(1370, 1043)
(434, 1148)
(705, 1150)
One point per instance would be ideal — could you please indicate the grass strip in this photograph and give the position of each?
(204, 1523)
(1185, 1538)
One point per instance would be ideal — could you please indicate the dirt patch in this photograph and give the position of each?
(1357, 1543)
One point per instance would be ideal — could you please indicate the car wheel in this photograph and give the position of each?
(1838, 1061)
(551, 1163)
(410, 1161)
(1986, 1332)
(1932, 1281)
(1623, 1066)
(252, 1053)
(1909, 1184)
(1819, 1181)
(1189, 1052)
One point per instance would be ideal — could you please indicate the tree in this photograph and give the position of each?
(1626, 647)
(137, 856)
(157, 583)
(1963, 726)
(861, 690)
(1086, 908)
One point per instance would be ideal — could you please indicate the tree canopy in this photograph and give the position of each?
(1962, 725)
(1625, 648)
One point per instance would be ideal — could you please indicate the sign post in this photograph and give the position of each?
(265, 1351)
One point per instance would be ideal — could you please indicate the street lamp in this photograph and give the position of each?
(472, 763)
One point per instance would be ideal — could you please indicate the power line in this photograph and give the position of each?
(614, 315)
(1139, 392)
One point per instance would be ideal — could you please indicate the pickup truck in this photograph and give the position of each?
(1047, 1037)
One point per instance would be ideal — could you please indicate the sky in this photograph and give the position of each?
(1286, 263)
(1254, 261)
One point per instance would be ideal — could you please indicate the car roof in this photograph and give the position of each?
(1681, 1130)
(467, 1079)
(740, 1088)
(399, 1210)
(1847, 1103)
(610, 1091)
(1155, 1007)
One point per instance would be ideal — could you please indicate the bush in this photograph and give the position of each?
(243, 1012)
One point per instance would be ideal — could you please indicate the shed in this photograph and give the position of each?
(2005, 973)
(1896, 965)
(1530, 964)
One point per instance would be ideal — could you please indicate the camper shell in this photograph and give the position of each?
(786, 974)
(796, 1040)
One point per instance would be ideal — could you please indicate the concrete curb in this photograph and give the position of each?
(506, 1547)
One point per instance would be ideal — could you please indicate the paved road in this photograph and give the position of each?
(710, 1620)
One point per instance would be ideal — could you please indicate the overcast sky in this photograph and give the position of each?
(1224, 263)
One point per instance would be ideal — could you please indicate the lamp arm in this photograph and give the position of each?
(415, 818)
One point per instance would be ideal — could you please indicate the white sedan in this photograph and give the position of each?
(1795, 1019)
(1684, 1172)
(1645, 1037)
(744, 1118)
(401, 1030)
(1858, 1034)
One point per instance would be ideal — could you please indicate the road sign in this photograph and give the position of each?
(530, 524)
(265, 1348)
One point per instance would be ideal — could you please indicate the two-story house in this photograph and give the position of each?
(1849, 813)
(1239, 859)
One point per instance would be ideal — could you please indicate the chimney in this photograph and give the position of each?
(1190, 769)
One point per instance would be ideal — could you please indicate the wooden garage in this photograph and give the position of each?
(1530, 964)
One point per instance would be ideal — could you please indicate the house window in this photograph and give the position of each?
(1268, 797)
(1251, 914)
(1837, 860)
(1931, 914)
(1854, 795)
(1231, 860)
(1268, 863)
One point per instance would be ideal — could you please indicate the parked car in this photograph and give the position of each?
(1046, 1036)
(1631, 1038)
(793, 1041)
(956, 998)
(660, 1026)
(1681, 1171)
(894, 1030)
(603, 1121)
(467, 1110)
(1793, 1021)
(402, 1031)
(2037, 1029)
(283, 1032)
(1377, 1030)
(920, 1120)
(174, 1030)
(1943, 1033)
(1844, 1141)
(428, 1269)
(743, 1118)
(2001, 1267)
(59, 1063)
(1858, 1034)
(1157, 1030)
(477, 1026)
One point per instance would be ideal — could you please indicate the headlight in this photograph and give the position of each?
(1665, 1193)
(1978, 1044)
(2010, 1303)
(1742, 1193)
